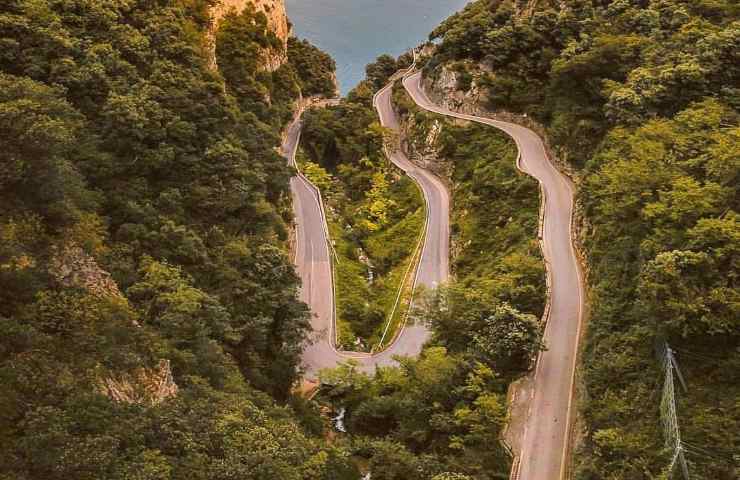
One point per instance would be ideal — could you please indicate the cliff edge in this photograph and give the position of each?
(277, 22)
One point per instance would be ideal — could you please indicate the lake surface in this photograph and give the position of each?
(355, 32)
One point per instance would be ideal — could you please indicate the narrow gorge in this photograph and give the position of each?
(510, 252)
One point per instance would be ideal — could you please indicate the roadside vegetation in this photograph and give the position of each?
(442, 415)
(149, 324)
(641, 98)
(315, 68)
(375, 213)
(495, 207)
(242, 43)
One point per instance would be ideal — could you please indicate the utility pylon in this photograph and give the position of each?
(668, 413)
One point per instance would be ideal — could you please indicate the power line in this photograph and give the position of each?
(678, 448)
(701, 356)
(705, 453)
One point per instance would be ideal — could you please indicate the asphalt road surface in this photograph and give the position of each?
(544, 445)
(313, 262)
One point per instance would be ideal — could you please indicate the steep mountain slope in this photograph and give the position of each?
(148, 310)
(640, 99)
(276, 22)
(274, 11)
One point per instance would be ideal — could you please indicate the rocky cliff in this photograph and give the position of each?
(277, 22)
(143, 386)
(444, 87)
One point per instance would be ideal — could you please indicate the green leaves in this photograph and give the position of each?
(245, 47)
(318, 176)
(315, 68)
(679, 291)
(509, 340)
(39, 128)
(643, 96)
(471, 321)
(446, 409)
(377, 203)
(378, 72)
(375, 214)
(121, 146)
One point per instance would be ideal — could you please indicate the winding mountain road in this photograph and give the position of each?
(544, 446)
(313, 255)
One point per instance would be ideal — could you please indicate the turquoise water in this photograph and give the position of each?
(355, 32)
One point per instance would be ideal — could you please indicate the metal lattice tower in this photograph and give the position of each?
(668, 414)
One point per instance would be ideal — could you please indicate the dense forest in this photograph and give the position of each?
(147, 305)
(148, 308)
(148, 312)
(641, 98)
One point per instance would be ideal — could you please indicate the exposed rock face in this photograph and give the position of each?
(420, 140)
(277, 18)
(72, 267)
(146, 386)
(444, 90)
(277, 22)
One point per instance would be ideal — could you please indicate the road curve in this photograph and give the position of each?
(544, 446)
(312, 255)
